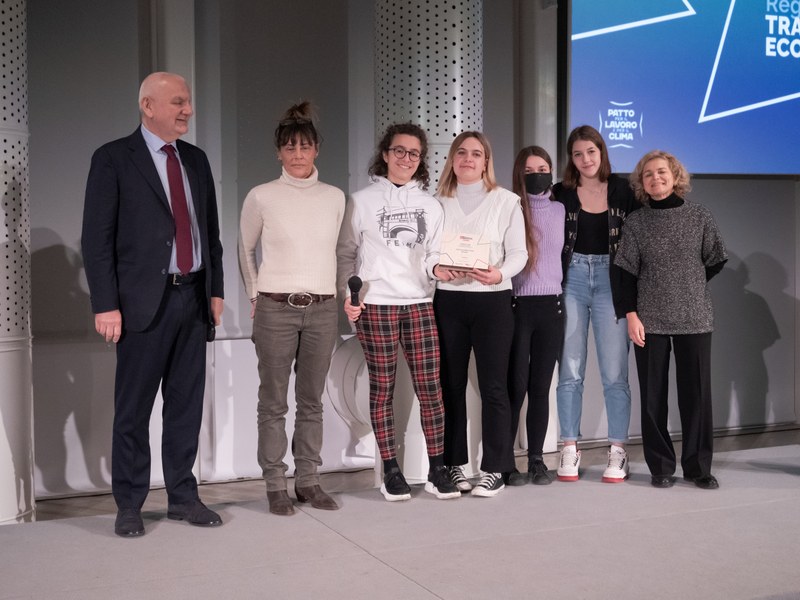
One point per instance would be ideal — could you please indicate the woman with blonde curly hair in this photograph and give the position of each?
(673, 247)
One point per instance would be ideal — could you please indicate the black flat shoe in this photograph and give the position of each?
(515, 478)
(129, 523)
(706, 482)
(538, 474)
(195, 513)
(662, 481)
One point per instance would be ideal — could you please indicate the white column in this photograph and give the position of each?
(429, 70)
(16, 390)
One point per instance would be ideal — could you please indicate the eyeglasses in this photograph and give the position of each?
(401, 152)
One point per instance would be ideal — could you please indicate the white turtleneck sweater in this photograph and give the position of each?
(390, 238)
(497, 217)
(297, 221)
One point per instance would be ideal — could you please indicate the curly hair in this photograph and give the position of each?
(679, 173)
(585, 133)
(518, 187)
(379, 167)
(448, 181)
(297, 123)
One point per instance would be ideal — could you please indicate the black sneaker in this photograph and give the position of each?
(440, 485)
(394, 486)
(538, 473)
(514, 478)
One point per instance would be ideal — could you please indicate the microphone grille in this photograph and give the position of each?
(354, 283)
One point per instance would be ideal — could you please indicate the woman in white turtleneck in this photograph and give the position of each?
(473, 309)
(390, 240)
(295, 220)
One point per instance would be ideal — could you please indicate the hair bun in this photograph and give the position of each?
(298, 114)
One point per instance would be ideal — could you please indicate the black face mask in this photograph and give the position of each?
(538, 183)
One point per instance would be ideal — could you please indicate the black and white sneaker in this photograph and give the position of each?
(458, 479)
(440, 485)
(490, 485)
(394, 487)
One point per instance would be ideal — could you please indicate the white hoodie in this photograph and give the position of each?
(390, 238)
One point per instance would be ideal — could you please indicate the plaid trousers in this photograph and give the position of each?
(381, 329)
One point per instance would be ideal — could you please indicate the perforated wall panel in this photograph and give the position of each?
(15, 240)
(429, 69)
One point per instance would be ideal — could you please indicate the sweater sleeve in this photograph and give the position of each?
(714, 254)
(250, 227)
(516, 252)
(433, 250)
(347, 248)
(628, 256)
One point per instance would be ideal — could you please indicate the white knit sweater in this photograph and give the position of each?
(297, 221)
(496, 217)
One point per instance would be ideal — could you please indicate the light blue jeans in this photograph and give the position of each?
(587, 298)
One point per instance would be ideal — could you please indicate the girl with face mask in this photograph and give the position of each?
(538, 308)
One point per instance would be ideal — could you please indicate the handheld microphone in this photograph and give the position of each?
(354, 283)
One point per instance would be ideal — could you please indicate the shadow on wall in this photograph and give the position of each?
(744, 328)
(15, 409)
(68, 372)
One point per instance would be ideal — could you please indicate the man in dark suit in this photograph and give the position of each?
(153, 262)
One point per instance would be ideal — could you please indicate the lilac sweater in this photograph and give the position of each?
(544, 279)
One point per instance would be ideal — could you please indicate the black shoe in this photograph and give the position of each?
(440, 485)
(394, 486)
(539, 474)
(129, 523)
(662, 481)
(196, 513)
(706, 482)
(515, 478)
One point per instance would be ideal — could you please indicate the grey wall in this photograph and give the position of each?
(82, 93)
(267, 56)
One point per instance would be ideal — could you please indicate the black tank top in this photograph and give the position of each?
(592, 237)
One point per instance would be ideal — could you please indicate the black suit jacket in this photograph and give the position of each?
(128, 229)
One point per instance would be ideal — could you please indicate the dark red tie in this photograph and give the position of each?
(180, 212)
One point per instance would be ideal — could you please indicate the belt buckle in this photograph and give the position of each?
(299, 299)
(175, 277)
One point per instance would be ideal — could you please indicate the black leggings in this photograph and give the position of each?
(538, 337)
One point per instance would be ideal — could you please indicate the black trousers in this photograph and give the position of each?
(693, 377)
(170, 353)
(535, 348)
(483, 322)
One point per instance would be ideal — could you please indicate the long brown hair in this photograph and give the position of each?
(585, 133)
(518, 186)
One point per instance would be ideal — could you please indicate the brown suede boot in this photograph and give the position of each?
(316, 496)
(280, 503)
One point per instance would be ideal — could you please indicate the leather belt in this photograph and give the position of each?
(297, 299)
(179, 279)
